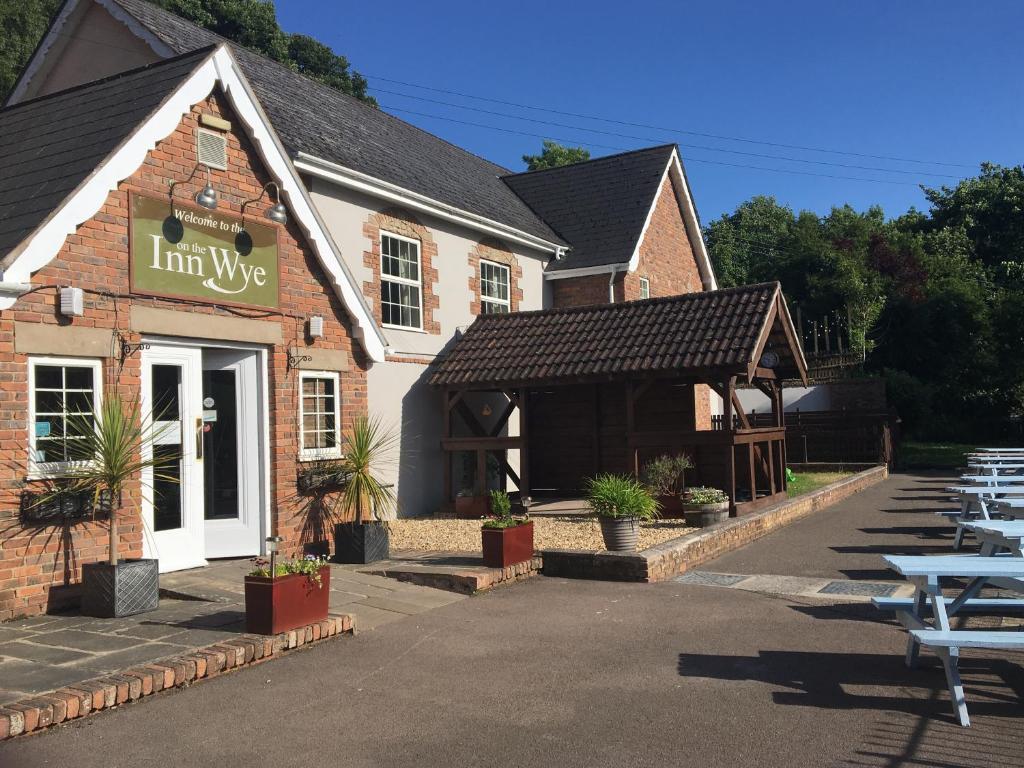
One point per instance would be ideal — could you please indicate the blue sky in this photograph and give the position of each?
(937, 81)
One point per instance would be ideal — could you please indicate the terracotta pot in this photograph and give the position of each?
(472, 507)
(671, 507)
(703, 515)
(287, 602)
(507, 546)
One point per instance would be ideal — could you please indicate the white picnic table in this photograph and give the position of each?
(976, 502)
(997, 535)
(926, 574)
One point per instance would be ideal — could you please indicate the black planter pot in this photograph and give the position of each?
(111, 591)
(361, 542)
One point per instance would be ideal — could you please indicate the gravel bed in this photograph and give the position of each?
(569, 532)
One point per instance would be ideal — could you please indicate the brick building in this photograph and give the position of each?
(397, 239)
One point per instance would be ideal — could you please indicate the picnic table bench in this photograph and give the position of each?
(976, 501)
(926, 574)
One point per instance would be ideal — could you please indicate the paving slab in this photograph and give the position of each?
(45, 654)
(77, 639)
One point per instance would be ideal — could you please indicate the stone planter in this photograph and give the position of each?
(620, 533)
(503, 547)
(703, 515)
(111, 591)
(361, 543)
(278, 605)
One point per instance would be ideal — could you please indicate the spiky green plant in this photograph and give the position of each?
(612, 495)
(110, 450)
(369, 446)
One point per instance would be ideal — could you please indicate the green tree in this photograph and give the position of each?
(554, 155)
(253, 24)
(22, 25)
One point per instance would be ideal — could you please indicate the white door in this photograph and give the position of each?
(231, 453)
(172, 496)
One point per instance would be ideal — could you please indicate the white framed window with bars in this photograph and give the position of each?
(494, 288)
(645, 288)
(319, 415)
(401, 283)
(64, 395)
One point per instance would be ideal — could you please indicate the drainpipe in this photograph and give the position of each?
(611, 285)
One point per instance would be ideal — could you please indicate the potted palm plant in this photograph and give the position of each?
(705, 506)
(665, 477)
(365, 498)
(507, 539)
(621, 502)
(105, 455)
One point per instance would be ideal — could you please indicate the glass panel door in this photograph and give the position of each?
(233, 465)
(172, 493)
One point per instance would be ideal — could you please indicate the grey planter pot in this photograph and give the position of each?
(620, 533)
(703, 515)
(361, 543)
(111, 591)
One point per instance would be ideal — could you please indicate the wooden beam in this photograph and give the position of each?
(480, 487)
(740, 414)
(470, 419)
(503, 419)
(480, 443)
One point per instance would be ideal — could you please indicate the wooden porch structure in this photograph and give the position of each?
(516, 420)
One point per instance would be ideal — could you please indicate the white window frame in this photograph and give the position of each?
(313, 454)
(645, 288)
(402, 280)
(507, 303)
(48, 469)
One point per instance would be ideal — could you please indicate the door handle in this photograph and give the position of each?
(199, 439)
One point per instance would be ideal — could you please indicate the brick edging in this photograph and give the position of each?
(671, 558)
(464, 582)
(92, 696)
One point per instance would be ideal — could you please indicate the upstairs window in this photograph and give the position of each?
(494, 288)
(401, 293)
(319, 417)
(645, 288)
(63, 395)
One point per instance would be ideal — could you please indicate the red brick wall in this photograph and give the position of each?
(666, 255)
(666, 260)
(496, 251)
(583, 291)
(34, 560)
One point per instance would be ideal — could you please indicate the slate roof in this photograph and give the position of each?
(51, 145)
(686, 334)
(599, 206)
(313, 118)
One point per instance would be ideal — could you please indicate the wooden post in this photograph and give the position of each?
(727, 404)
(771, 466)
(524, 445)
(753, 477)
(481, 472)
(814, 325)
(828, 340)
(446, 432)
(596, 429)
(634, 457)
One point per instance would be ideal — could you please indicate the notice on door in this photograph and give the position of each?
(180, 251)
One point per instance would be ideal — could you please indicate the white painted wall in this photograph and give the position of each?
(398, 391)
(812, 398)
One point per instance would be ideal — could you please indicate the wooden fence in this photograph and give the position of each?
(833, 437)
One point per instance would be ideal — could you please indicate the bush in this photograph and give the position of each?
(620, 496)
(664, 476)
(501, 508)
(702, 495)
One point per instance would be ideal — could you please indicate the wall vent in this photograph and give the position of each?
(212, 149)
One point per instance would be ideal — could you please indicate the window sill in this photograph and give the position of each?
(308, 458)
(403, 328)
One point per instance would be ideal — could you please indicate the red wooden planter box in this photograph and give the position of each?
(287, 602)
(507, 546)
